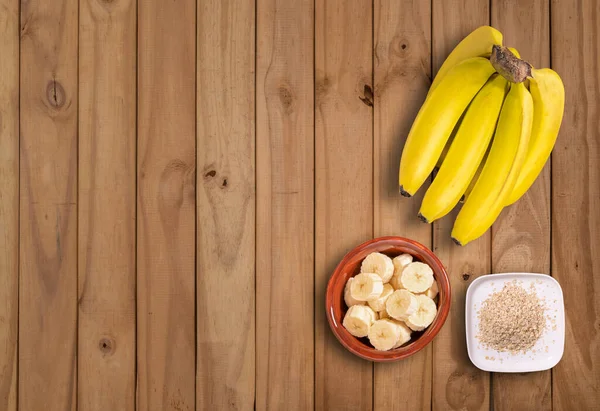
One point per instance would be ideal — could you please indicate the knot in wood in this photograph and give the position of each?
(398, 46)
(107, 346)
(286, 96)
(367, 97)
(55, 94)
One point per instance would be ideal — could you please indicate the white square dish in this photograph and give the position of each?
(548, 350)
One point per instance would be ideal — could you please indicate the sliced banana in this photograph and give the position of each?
(379, 264)
(405, 333)
(424, 315)
(432, 291)
(384, 334)
(417, 277)
(374, 316)
(383, 314)
(366, 286)
(400, 262)
(348, 295)
(401, 304)
(379, 303)
(358, 320)
(396, 283)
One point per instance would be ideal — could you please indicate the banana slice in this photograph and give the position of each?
(424, 315)
(379, 304)
(401, 304)
(400, 262)
(366, 286)
(383, 314)
(358, 320)
(379, 264)
(417, 277)
(384, 334)
(405, 333)
(432, 291)
(348, 295)
(396, 283)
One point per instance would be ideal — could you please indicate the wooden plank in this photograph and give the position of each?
(344, 182)
(107, 205)
(285, 205)
(457, 383)
(576, 200)
(48, 206)
(166, 235)
(225, 205)
(402, 70)
(9, 201)
(521, 235)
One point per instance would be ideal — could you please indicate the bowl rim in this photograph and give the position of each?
(368, 353)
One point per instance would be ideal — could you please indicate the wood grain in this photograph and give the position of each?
(344, 182)
(107, 205)
(48, 207)
(458, 385)
(576, 202)
(120, 263)
(521, 235)
(225, 205)
(166, 235)
(285, 205)
(9, 202)
(402, 67)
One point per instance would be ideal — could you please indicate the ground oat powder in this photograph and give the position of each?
(511, 320)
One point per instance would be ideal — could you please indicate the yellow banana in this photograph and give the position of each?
(436, 119)
(548, 93)
(477, 44)
(475, 177)
(501, 169)
(478, 172)
(449, 143)
(464, 156)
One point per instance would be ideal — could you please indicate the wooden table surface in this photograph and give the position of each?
(178, 180)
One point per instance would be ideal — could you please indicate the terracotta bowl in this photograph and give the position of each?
(350, 266)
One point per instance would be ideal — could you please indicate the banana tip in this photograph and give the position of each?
(404, 192)
(422, 218)
(456, 241)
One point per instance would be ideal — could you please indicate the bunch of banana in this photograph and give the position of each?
(489, 124)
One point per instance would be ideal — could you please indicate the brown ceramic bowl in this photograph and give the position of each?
(350, 266)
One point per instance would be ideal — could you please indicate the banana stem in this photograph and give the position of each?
(509, 66)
